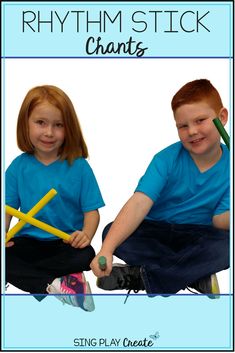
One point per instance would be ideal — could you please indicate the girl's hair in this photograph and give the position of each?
(195, 91)
(74, 145)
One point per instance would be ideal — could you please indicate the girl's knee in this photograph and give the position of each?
(90, 253)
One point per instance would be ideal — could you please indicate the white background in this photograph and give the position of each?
(124, 109)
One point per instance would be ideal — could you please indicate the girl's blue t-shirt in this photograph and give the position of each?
(28, 180)
(181, 193)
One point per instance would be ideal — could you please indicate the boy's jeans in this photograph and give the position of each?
(173, 256)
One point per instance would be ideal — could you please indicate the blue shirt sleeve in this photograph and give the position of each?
(155, 177)
(90, 197)
(11, 184)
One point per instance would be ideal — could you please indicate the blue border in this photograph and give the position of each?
(152, 37)
(90, 324)
(230, 57)
(117, 57)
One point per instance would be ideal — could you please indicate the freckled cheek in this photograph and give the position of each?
(32, 134)
(183, 136)
(62, 137)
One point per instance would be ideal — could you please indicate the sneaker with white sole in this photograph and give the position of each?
(73, 289)
(208, 285)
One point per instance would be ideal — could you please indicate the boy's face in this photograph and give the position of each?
(196, 129)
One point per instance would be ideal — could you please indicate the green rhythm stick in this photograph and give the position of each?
(102, 263)
(222, 131)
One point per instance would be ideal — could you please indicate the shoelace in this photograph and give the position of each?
(191, 291)
(64, 291)
(130, 282)
(128, 293)
(62, 299)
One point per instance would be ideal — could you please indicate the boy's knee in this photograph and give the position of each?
(105, 231)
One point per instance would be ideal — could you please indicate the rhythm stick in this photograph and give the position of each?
(31, 213)
(47, 228)
(102, 262)
(222, 131)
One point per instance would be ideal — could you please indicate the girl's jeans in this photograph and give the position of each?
(173, 256)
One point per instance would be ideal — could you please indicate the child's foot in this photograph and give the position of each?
(122, 277)
(73, 289)
(207, 285)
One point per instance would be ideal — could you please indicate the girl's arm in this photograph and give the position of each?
(81, 239)
(7, 226)
(128, 219)
(91, 222)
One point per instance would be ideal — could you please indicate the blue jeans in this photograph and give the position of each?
(173, 256)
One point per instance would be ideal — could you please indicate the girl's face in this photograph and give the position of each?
(46, 131)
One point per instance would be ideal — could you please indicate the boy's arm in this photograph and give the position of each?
(128, 219)
(222, 220)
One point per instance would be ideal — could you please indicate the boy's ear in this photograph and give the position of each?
(223, 115)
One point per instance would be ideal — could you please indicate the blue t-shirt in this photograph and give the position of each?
(28, 180)
(181, 193)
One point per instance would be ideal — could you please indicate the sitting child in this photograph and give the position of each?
(173, 232)
(55, 152)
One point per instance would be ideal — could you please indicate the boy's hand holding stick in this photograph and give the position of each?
(102, 263)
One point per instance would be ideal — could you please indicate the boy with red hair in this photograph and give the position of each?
(173, 232)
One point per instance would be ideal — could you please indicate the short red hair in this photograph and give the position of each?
(195, 91)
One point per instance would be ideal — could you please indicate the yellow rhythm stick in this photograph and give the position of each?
(36, 223)
(31, 213)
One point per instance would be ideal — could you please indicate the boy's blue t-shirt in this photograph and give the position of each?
(181, 193)
(28, 180)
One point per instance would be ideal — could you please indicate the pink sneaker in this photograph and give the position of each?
(73, 289)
